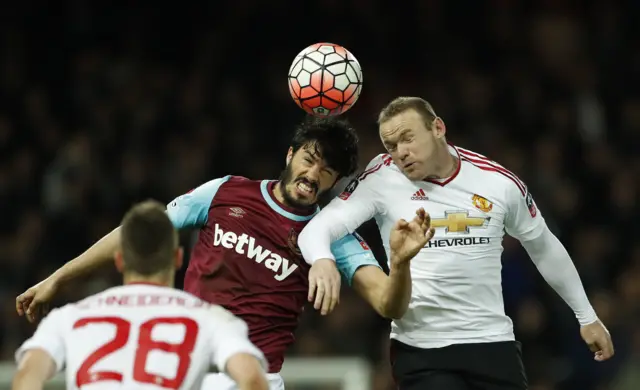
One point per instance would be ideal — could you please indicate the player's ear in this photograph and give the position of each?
(289, 155)
(439, 128)
(179, 257)
(119, 260)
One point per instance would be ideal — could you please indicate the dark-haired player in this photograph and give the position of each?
(246, 257)
(144, 334)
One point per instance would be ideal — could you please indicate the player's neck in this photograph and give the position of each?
(164, 280)
(444, 164)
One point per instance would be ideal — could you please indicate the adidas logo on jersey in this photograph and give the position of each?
(420, 195)
(246, 245)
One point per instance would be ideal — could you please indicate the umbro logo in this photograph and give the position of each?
(236, 212)
(420, 195)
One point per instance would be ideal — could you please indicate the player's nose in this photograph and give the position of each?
(403, 152)
(314, 173)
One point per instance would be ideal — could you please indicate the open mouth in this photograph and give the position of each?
(305, 188)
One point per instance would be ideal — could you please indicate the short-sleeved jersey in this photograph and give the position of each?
(140, 336)
(246, 257)
(457, 291)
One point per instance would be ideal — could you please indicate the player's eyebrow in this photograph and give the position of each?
(394, 136)
(313, 153)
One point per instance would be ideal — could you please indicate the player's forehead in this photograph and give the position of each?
(400, 124)
(313, 150)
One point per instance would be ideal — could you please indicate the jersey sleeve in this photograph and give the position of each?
(49, 337)
(231, 337)
(352, 252)
(192, 209)
(523, 220)
(358, 203)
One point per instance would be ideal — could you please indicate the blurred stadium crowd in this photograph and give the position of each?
(103, 105)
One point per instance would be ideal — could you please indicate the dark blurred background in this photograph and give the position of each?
(105, 104)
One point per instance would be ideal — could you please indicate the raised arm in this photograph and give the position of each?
(186, 211)
(358, 203)
(388, 295)
(524, 222)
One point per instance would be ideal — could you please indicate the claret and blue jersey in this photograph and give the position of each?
(246, 257)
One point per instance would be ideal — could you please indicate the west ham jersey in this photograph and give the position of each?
(247, 259)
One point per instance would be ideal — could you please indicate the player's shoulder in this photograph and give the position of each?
(379, 173)
(60, 317)
(240, 183)
(491, 173)
(379, 166)
(380, 161)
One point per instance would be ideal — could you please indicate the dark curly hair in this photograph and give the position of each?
(334, 139)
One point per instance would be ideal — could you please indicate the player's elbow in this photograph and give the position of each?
(392, 310)
(247, 372)
(254, 380)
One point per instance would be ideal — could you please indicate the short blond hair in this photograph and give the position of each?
(405, 103)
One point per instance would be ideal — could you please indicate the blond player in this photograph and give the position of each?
(455, 334)
(143, 334)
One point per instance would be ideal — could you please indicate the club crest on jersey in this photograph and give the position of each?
(531, 205)
(292, 242)
(348, 190)
(481, 203)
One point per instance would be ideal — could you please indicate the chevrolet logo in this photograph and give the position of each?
(459, 222)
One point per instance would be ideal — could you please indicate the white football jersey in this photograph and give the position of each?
(140, 336)
(456, 291)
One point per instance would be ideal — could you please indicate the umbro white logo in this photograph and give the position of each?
(420, 195)
(237, 212)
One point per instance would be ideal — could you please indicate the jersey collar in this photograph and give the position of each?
(442, 182)
(266, 187)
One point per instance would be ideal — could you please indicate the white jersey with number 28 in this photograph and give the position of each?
(140, 336)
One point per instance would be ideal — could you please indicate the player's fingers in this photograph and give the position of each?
(430, 233)
(320, 292)
(32, 309)
(401, 224)
(335, 295)
(427, 219)
(312, 288)
(327, 302)
(20, 299)
(419, 217)
(607, 348)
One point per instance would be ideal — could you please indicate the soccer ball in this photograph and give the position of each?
(325, 79)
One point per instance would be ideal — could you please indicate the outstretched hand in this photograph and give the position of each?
(408, 238)
(34, 303)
